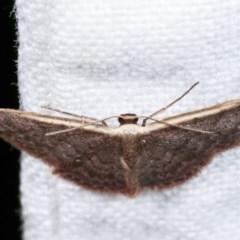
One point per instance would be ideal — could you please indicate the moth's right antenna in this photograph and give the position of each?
(169, 105)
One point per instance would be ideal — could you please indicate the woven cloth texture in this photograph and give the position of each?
(102, 58)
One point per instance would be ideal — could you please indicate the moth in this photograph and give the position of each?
(131, 157)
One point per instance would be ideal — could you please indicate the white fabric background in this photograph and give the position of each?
(102, 58)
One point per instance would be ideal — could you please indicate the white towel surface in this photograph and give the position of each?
(103, 58)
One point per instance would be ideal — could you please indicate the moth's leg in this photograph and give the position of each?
(161, 110)
(83, 118)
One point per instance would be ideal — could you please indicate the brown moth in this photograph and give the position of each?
(129, 158)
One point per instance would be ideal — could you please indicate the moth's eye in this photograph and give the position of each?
(121, 120)
(135, 120)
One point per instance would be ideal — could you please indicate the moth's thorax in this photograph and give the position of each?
(130, 129)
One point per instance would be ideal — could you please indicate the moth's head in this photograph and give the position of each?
(128, 118)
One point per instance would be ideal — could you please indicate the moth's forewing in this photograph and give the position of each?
(89, 156)
(171, 155)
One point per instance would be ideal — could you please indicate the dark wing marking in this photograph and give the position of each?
(90, 158)
(171, 155)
